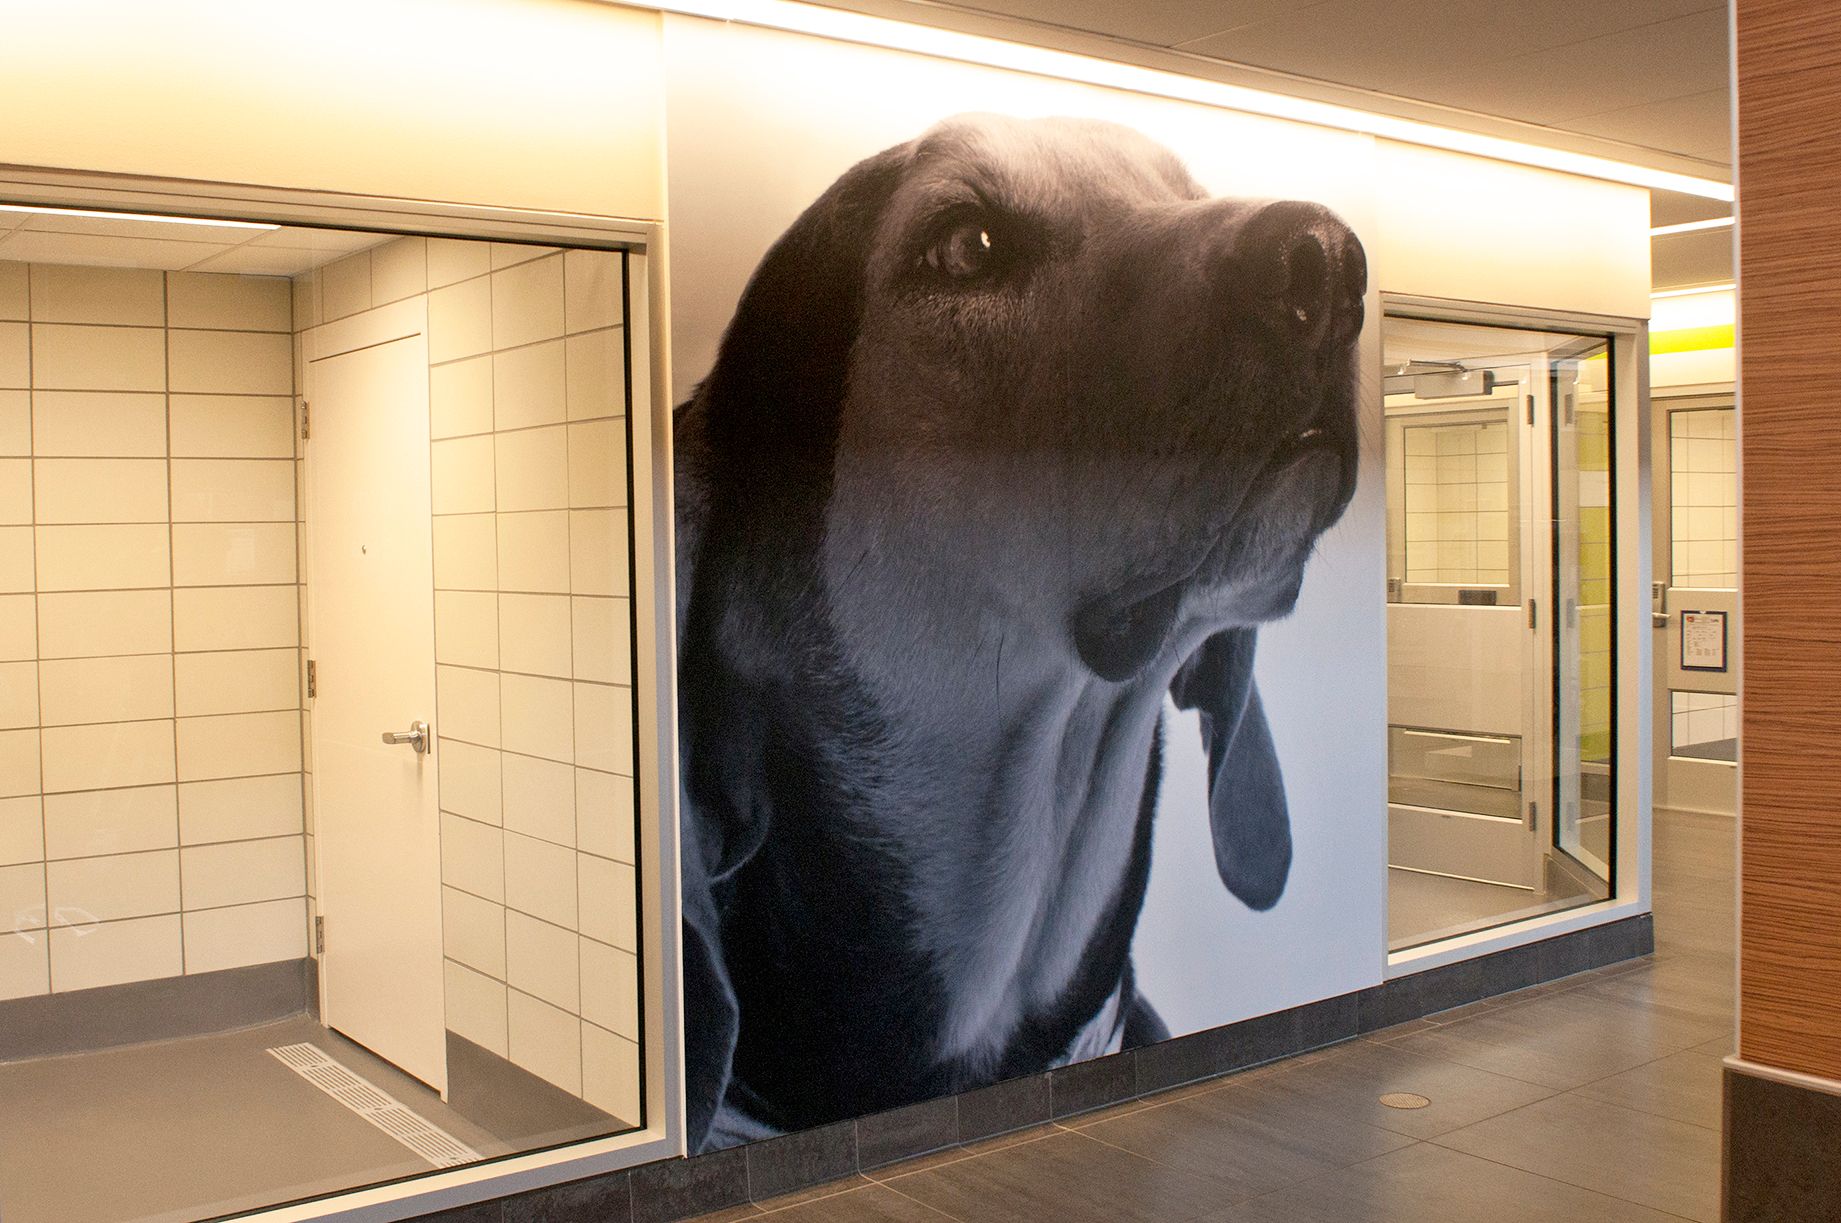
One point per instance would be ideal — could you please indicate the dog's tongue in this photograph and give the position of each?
(1117, 642)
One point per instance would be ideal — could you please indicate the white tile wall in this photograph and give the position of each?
(1457, 512)
(528, 459)
(147, 438)
(532, 639)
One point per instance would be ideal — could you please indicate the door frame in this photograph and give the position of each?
(1632, 702)
(661, 1134)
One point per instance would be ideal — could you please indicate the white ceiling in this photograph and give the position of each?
(172, 246)
(1645, 81)
(1648, 73)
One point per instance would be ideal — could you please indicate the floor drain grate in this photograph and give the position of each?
(1404, 1099)
(420, 1135)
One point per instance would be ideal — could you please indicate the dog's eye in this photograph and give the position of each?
(963, 252)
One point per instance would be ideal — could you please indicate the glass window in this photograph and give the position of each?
(319, 857)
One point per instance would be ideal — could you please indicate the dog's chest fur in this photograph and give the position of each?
(945, 901)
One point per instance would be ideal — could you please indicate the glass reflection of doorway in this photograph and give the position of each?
(1499, 625)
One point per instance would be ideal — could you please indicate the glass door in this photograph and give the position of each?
(1499, 642)
(1583, 623)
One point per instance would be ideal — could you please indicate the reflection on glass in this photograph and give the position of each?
(1500, 627)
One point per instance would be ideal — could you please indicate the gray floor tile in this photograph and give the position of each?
(1068, 1178)
(1560, 1057)
(193, 1128)
(1669, 1165)
(869, 1204)
(1430, 1184)
(1685, 1086)
(1351, 1084)
(1253, 1137)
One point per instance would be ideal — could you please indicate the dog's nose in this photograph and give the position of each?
(1302, 271)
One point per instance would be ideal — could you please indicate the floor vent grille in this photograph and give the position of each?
(417, 1133)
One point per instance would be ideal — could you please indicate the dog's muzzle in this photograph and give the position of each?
(1297, 272)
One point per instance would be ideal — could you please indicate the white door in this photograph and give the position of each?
(372, 631)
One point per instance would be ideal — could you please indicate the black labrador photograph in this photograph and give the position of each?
(1014, 436)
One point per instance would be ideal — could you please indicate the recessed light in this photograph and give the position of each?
(215, 222)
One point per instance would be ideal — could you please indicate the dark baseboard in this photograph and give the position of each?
(87, 1020)
(674, 1189)
(1778, 1157)
(514, 1104)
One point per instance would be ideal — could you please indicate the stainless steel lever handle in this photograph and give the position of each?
(416, 736)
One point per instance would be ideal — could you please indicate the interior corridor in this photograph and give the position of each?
(1594, 1097)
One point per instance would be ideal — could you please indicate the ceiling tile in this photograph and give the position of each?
(1699, 125)
(1675, 208)
(100, 250)
(133, 227)
(1681, 260)
(1630, 68)
(1161, 23)
(1400, 45)
(330, 241)
(255, 260)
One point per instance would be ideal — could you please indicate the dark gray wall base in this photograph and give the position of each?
(682, 1188)
(1778, 1162)
(85, 1020)
(514, 1104)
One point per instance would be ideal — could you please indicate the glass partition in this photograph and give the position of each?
(319, 851)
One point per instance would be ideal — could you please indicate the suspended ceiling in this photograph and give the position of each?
(172, 246)
(1643, 81)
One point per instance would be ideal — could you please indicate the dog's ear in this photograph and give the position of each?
(752, 460)
(1246, 791)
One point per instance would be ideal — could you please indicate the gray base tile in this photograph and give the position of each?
(1779, 1160)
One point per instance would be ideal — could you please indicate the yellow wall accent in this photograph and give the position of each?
(1692, 339)
(540, 104)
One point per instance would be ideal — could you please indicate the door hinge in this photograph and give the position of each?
(1530, 409)
(313, 679)
(306, 420)
(319, 936)
(1534, 614)
(1533, 815)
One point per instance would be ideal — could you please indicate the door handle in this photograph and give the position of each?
(416, 736)
(1658, 619)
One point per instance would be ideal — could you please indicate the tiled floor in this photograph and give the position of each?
(1590, 1099)
(192, 1128)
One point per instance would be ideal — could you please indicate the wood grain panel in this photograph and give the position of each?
(1789, 102)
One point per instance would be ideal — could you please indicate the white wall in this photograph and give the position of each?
(548, 104)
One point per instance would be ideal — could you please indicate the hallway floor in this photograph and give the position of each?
(1592, 1098)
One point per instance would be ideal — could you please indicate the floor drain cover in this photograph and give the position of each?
(1404, 1099)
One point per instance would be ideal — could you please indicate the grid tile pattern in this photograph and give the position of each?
(527, 399)
(1457, 504)
(1704, 535)
(150, 755)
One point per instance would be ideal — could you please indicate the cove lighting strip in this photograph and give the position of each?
(884, 32)
(1691, 227)
(43, 210)
(1695, 291)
